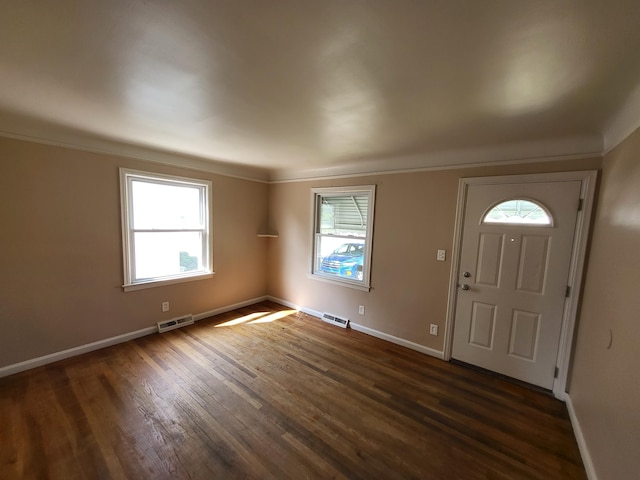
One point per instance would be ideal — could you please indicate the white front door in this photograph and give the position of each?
(513, 277)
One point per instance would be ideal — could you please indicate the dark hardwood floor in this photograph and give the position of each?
(276, 395)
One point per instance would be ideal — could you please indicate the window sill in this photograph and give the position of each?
(343, 283)
(169, 281)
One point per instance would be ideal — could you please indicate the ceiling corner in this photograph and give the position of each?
(624, 122)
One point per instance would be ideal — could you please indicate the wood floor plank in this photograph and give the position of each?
(263, 392)
(228, 400)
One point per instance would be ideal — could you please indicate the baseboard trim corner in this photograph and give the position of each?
(308, 311)
(582, 443)
(228, 308)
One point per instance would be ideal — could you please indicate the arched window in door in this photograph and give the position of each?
(518, 211)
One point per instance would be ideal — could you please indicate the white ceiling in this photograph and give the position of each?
(292, 88)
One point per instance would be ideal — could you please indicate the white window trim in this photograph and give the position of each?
(365, 284)
(127, 231)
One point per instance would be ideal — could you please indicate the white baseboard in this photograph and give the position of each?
(54, 357)
(107, 342)
(397, 340)
(72, 352)
(367, 330)
(582, 443)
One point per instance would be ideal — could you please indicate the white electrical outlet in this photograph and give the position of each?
(361, 309)
(165, 306)
(433, 329)
(442, 255)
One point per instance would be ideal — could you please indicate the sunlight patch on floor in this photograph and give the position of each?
(274, 316)
(257, 317)
(246, 318)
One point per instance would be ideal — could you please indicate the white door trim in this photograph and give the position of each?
(587, 194)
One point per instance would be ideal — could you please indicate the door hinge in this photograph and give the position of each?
(555, 373)
(567, 292)
(580, 202)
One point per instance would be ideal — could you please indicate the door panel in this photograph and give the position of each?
(533, 263)
(489, 259)
(482, 322)
(509, 320)
(524, 334)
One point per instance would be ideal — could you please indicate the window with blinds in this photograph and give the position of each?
(343, 218)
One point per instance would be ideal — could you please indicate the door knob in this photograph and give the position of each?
(464, 286)
(466, 274)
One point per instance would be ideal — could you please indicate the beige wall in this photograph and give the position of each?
(605, 385)
(414, 217)
(61, 248)
(61, 278)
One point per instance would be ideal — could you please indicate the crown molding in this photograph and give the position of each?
(568, 148)
(528, 152)
(191, 162)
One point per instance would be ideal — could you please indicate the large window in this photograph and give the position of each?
(165, 223)
(343, 222)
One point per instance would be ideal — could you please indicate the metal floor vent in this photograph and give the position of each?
(175, 323)
(335, 320)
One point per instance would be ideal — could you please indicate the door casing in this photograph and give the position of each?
(587, 193)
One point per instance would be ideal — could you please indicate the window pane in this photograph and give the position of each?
(158, 206)
(341, 258)
(344, 214)
(342, 234)
(162, 254)
(522, 212)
